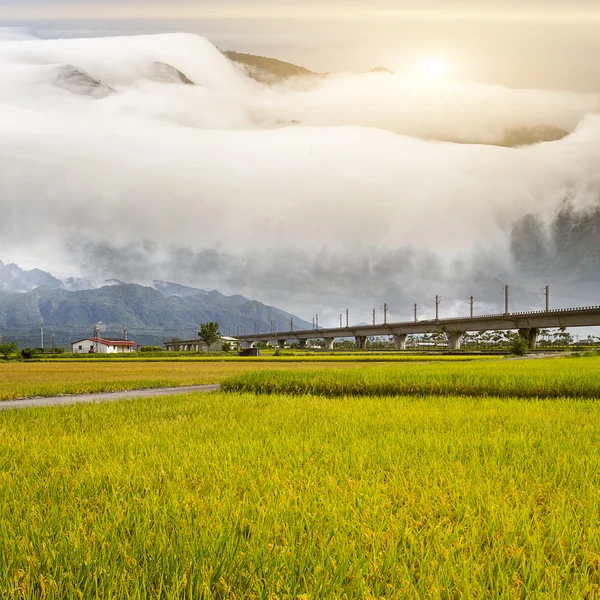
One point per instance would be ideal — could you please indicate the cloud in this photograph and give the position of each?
(312, 195)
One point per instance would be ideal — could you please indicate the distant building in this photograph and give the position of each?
(104, 346)
(199, 346)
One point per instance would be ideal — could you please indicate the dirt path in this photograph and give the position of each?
(106, 397)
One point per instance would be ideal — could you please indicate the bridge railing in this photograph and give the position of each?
(537, 313)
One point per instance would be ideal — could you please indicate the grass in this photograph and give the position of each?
(245, 496)
(542, 378)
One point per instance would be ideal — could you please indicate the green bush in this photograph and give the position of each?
(27, 353)
(519, 346)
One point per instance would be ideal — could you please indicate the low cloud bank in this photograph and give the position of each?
(313, 194)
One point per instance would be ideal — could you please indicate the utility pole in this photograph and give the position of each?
(125, 332)
(42, 334)
(546, 293)
(373, 317)
(340, 320)
(437, 307)
(347, 318)
(53, 342)
(313, 323)
(317, 322)
(415, 309)
(471, 304)
(385, 309)
(97, 338)
(506, 296)
(291, 325)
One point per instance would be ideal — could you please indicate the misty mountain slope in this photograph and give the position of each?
(568, 250)
(145, 311)
(165, 73)
(77, 81)
(267, 70)
(15, 279)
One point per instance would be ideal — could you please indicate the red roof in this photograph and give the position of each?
(108, 342)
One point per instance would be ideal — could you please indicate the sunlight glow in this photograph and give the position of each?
(434, 67)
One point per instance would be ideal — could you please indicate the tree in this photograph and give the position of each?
(8, 348)
(176, 342)
(226, 347)
(27, 353)
(519, 345)
(209, 333)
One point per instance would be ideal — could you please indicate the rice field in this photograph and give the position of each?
(541, 378)
(253, 496)
(55, 377)
(370, 357)
(32, 379)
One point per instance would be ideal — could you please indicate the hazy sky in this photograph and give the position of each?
(308, 194)
(520, 43)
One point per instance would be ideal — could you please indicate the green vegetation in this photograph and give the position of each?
(209, 333)
(7, 349)
(228, 496)
(540, 378)
(27, 353)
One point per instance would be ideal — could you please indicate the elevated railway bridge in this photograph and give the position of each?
(527, 324)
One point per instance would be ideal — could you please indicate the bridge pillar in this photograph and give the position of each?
(361, 342)
(329, 343)
(455, 339)
(400, 341)
(531, 335)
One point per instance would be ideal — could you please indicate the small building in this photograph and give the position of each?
(198, 346)
(104, 346)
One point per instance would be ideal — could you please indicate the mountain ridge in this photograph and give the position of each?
(151, 315)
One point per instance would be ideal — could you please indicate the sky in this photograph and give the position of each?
(522, 43)
(312, 195)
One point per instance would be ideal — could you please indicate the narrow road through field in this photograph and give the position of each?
(106, 397)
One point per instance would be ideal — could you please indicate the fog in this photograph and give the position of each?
(314, 194)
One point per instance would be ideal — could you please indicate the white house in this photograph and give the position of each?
(104, 346)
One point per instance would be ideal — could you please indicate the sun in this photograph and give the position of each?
(433, 67)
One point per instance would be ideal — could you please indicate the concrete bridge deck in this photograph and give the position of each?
(527, 323)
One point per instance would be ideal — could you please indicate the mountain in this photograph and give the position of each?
(150, 316)
(526, 136)
(267, 70)
(15, 279)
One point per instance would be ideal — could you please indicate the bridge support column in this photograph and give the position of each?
(329, 343)
(400, 341)
(531, 335)
(361, 342)
(455, 339)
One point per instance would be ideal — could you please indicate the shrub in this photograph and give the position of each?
(519, 346)
(27, 353)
